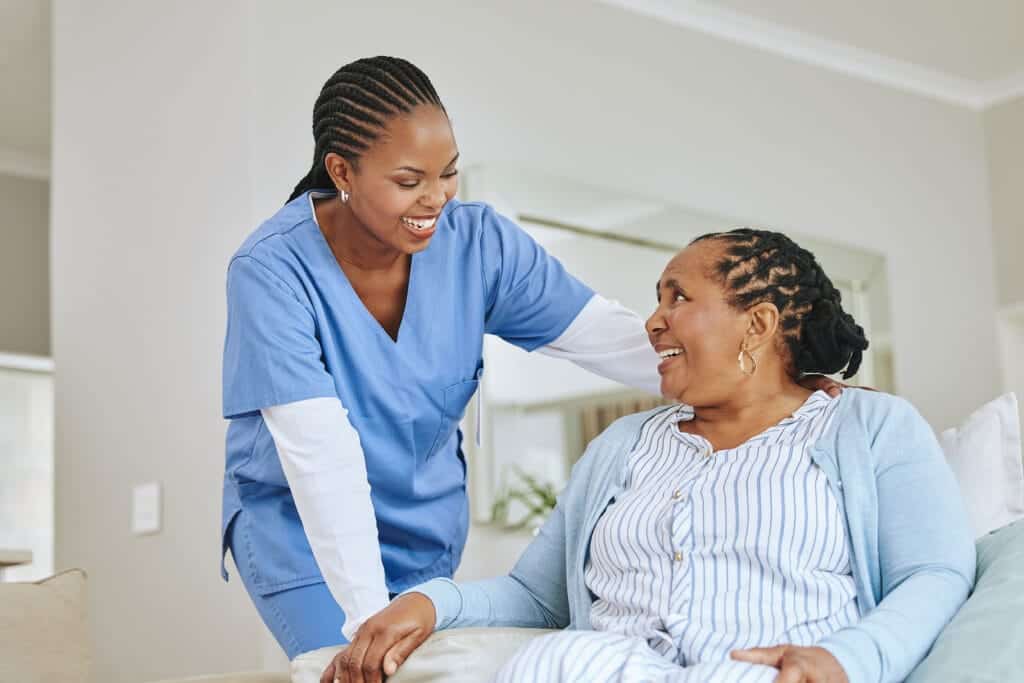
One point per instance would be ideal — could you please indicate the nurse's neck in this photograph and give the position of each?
(353, 244)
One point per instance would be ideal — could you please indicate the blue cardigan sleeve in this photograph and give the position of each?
(533, 595)
(547, 580)
(925, 552)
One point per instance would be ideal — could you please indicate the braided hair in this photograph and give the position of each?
(354, 106)
(763, 266)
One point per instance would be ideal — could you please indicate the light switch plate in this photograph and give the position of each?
(146, 508)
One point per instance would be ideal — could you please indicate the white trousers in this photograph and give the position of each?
(599, 657)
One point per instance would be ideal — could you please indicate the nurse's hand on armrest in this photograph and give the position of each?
(384, 641)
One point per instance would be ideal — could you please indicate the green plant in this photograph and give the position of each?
(538, 498)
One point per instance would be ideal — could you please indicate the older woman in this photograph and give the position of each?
(756, 531)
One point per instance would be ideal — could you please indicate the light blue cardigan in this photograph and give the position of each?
(912, 551)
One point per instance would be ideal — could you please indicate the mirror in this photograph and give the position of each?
(539, 413)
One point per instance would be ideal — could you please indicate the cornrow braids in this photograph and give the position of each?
(354, 106)
(763, 266)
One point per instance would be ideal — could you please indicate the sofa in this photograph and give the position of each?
(984, 642)
(32, 614)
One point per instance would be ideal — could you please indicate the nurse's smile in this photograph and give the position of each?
(422, 228)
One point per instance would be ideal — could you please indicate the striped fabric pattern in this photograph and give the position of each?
(601, 657)
(709, 552)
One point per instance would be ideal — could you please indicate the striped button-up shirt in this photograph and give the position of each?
(707, 551)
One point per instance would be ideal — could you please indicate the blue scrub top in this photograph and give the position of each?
(298, 330)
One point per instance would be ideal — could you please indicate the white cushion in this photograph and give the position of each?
(985, 454)
(458, 655)
(254, 677)
(43, 632)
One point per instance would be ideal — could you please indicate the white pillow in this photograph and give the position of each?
(985, 454)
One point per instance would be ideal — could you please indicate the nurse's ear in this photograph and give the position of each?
(341, 172)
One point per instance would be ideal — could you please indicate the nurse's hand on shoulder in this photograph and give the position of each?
(384, 641)
(826, 384)
(796, 664)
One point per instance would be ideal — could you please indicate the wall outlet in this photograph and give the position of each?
(146, 508)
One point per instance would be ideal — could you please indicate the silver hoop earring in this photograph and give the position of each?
(742, 361)
(343, 196)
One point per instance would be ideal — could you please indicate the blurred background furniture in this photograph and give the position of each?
(13, 558)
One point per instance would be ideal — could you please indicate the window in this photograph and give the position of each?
(26, 464)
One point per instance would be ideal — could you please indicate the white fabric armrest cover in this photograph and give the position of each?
(458, 655)
(233, 678)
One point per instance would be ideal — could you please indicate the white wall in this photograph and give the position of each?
(1004, 134)
(150, 198)
(592, 93)
(176, 126)
(24, 266)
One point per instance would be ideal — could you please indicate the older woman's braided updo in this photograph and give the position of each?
(763, 266)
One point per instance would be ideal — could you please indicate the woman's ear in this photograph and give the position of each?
(340, 171)
(764, 323)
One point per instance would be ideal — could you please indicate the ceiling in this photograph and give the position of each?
(970, 53)
(978, 41)
(967, 53)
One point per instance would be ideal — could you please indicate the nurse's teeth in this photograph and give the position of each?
(419, 224)
(668, 353)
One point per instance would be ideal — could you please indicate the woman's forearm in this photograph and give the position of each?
(894, 637)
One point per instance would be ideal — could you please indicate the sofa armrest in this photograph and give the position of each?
(233, 678)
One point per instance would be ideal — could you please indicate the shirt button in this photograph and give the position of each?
(677, 494)
(678, 556)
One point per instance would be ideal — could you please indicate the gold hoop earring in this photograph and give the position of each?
(742, 362)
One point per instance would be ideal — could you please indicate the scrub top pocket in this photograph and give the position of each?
(456, 396)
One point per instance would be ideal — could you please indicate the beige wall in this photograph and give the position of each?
(592, 93)
(150, 195)
(164, 161)
(1004, 137)
(24, 266)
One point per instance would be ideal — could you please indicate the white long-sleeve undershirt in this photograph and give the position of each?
(324, 464)
(610, 340)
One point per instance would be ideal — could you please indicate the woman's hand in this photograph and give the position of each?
(796, 664)
(384, 641)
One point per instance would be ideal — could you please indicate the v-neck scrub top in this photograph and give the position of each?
(298, 330)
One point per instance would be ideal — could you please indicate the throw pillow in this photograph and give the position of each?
(985, 454)
(43, 631)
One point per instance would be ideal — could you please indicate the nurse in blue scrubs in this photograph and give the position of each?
(356, 318)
